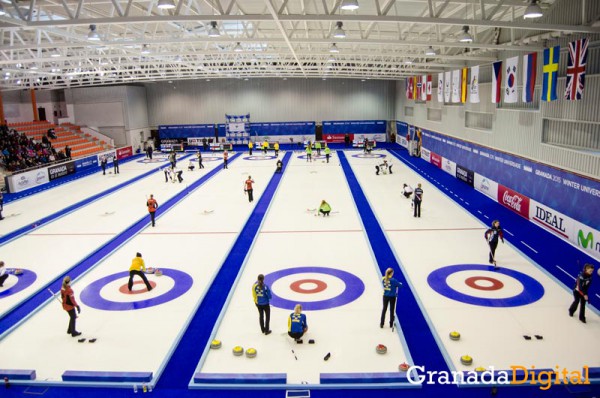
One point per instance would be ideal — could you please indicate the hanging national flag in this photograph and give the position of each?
(510, 80)
(424, 88)
(428, 89)
(529, 74)
(551, 57)
(440, 88)
(496, 81)
(456, 85)
(576, 69)
(415, 88)
(474, 85)
(463, 85)
(408, 88)
(447, 86)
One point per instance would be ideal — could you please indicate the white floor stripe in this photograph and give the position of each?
(508, 232)
(530, 248)
(571, 276)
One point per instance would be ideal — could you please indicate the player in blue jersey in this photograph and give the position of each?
(262, 295)
(297, 325)
(390, 292)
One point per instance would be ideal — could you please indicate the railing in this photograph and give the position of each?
(39, 166)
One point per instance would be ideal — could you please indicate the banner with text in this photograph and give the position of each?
(186, 130)
(570, 194)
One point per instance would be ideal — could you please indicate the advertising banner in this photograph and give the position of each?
(425, 154)
(567, 193)
(338, 137)
(401, 129)
(486, 186)
(356, 127)
(27, 180)
(124, 152)
(551, 220)
(186, 130)
(513, 200)
(84, 163)
(465, 175)
(402, 141)
(449, 167)
(436, 159)
(585, 238)
(61, 170)
(306, 129)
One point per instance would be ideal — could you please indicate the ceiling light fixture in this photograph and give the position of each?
(145, 49)
(93, 35)
(349, 5)
(166, 4)
(533, 10)
(213, 31)
(334, 49)
(338, 32)
(430, 51)
(238, 48)
(2, 10)
(331, 59)
(465, 36)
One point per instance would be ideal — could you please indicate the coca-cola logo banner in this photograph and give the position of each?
(513, 200)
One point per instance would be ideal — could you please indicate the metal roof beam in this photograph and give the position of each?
(325, 18)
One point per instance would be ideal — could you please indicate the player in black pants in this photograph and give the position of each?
(580, 292)
(492, 235)
(417, 200)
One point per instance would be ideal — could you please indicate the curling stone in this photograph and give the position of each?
(403, 367)
(215, 344)
(480, 369)
(149, 270)
(158, 272)
(454, 336)
(381, 349)
(18, 271)
(238, 351)
(466, 360)
(251, 352)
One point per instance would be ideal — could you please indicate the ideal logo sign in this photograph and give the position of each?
(551, 219)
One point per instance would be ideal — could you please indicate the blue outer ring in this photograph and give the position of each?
(153, 160)
(369, 156)
(207, 159)
(354, 289)
(263, 157)
(312, 157)
(24, 280)
(532, 292)
(91, 297)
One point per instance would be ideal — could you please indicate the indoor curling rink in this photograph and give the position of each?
(327, 264)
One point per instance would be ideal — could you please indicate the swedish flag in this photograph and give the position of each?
(551, 57)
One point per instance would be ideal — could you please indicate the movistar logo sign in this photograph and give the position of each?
(586, 241)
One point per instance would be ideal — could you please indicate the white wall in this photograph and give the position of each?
(269, 100)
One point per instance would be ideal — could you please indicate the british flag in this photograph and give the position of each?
(576, 69)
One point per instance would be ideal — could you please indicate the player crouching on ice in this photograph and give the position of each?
(384, 167)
